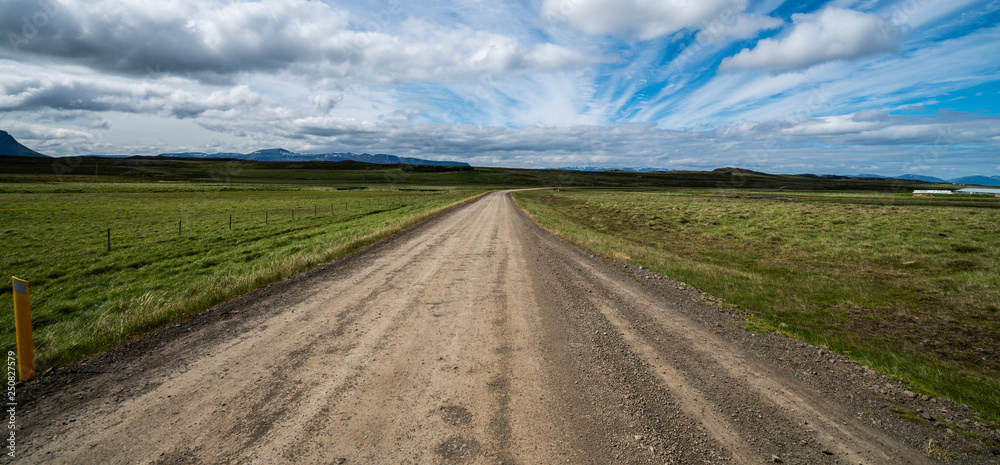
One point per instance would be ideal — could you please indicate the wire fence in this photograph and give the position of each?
(128, 236)
(50, 240)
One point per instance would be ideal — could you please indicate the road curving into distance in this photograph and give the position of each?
(476, 337)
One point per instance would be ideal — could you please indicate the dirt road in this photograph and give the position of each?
(478, 338)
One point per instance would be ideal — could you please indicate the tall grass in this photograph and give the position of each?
(909, 288)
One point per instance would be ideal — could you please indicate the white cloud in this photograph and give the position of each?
(219, 41)
(877, 128)
(107, 95)
(838, 87)
(832, 125)
(643, 19)
(745, 26)
(831, 34)
(818, 145)
(38, 132)
(917, 14)
(325, 102)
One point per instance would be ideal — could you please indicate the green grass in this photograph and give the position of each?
(86, 299)
(909, 416)
(907, 285)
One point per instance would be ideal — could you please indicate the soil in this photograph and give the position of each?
(477, 337)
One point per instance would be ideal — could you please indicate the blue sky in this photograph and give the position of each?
(845, 87)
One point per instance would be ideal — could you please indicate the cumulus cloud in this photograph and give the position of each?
(831, 125)
(38, 132)
(770, 146)
(620, 142)
(214, 41)
(20, 95)
(642, 19)
(325, 102)
(830, 34)
(879, 128)
(820, 145)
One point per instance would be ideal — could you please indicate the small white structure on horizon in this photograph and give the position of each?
(932, 192)
(978, 190)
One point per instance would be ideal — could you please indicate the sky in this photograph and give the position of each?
(842, 87)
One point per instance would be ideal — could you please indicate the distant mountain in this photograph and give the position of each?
(11, 147)
(906, 177)
(286, 155)
(980, 180)
(917, 177)
(867, 176)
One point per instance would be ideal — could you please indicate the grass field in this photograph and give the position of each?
(86, 299)
(907, 285)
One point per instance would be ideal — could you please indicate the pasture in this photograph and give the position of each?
(173, 249)
(907, 285)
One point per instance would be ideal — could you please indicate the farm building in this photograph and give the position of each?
(932, 192)
(978, 190)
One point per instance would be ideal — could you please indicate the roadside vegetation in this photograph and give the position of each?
(907, 285)
(172, 250)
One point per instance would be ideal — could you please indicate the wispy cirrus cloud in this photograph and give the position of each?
(744, 26)
(636, 18)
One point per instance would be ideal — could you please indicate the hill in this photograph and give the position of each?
(978, 180)
(287, 155)
(917, 177)
(11, 147)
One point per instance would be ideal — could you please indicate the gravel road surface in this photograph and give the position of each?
(478, 337)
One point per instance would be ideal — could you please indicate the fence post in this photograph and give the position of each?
(230, 221)
(265, 216)
(109, 239)
(22, 328)
(179, 228)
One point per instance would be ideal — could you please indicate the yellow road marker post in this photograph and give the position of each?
(22, 326)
